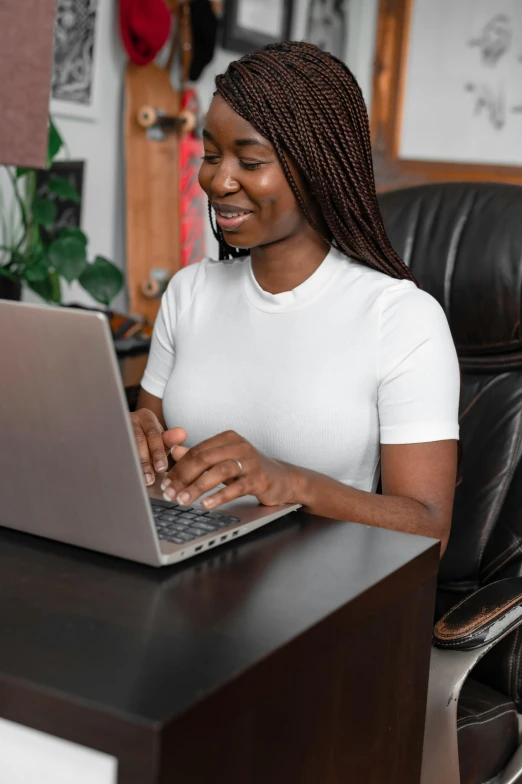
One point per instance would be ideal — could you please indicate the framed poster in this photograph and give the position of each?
(327, 25)
(251, 24)
(68, 211)
(447, 92)
(76, 69)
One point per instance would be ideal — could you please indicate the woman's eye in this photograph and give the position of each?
(210, 158)
(250, 166)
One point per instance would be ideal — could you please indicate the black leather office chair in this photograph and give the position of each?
(463, 241)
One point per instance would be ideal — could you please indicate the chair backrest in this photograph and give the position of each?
(463, 241)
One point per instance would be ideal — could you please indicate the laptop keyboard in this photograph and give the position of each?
(183, 524)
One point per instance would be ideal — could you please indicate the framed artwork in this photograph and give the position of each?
(251, 24)
(76, 72)
(68, 211)
(327, 25)
(447, 92)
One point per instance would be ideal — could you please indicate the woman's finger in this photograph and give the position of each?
(220, 473)
(178, 452)
(153, 434)
(196, 462)
(174, 436)
(230, 493)
(143, 451)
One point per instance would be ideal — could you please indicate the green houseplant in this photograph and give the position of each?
(30, 256)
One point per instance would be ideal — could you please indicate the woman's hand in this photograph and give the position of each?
(213, 462)
(152, 451)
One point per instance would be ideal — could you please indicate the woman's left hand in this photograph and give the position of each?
(214, 462)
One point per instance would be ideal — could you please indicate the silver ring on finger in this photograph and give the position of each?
(240, 468)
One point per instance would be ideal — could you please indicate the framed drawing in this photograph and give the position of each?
(68, 211)
(447, 92)
(252, 24)
(76, 68)
(327, 25)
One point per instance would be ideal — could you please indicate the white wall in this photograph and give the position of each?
(100, 143)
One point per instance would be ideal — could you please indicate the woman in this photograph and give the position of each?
(305, 362)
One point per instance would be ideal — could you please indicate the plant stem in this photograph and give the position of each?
(19, 199)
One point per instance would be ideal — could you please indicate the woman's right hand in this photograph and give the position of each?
(152, 451)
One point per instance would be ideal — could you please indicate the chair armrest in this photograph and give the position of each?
(460, 639)
(482, 618)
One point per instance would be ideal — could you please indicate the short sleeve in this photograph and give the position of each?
(418, 370)
(162, 354)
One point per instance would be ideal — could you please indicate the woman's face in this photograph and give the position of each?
(245, 183)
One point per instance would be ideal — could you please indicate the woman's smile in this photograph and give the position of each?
(230, 217)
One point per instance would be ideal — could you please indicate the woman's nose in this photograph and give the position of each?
(224, 182)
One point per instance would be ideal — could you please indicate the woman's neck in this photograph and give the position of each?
(284, 265)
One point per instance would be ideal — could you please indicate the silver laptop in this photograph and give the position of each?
(69, 466)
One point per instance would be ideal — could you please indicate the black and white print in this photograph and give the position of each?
(327, 25)
(74, 53)
(462, 83)
(68, 211)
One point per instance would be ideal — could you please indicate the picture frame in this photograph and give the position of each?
(248, 25)
(77, 77)
(465, 126)
(68, 211)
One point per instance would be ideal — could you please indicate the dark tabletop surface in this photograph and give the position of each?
(149, 643)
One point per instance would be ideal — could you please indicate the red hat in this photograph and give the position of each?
(145, 28)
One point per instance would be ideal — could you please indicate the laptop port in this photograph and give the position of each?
(198, 548)
(235, 533)
(222, 538)
(212, 541)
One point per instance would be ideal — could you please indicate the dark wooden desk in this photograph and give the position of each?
(298, 655)
(132, 368)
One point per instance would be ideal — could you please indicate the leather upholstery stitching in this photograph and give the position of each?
(477, 397)
(509, 553)
(485, 721)
(453, 252)
(514, 691)
(411, 236)
(507, 363)
(482, 621)
(448, 639)
(476, 625)
(501, 495)
(482, 346)
(456, 606)
(481, 714)
(511, 660)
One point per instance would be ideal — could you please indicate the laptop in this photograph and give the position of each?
(69, 465)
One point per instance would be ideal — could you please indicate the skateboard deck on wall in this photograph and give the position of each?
(152, 186)
(166, 208)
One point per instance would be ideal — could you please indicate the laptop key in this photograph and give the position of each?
(185, 536)
(206, 527)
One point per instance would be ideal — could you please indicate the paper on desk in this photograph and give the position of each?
(28, 756)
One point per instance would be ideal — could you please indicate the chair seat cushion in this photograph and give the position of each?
(487, 727)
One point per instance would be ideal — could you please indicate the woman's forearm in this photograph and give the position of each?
(321, 495)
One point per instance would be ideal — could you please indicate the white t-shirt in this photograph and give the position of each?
(319, 376)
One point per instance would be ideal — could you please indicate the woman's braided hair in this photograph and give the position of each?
(307, 103)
